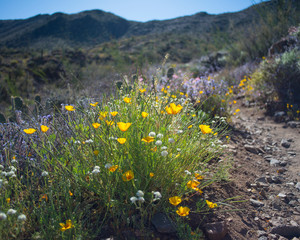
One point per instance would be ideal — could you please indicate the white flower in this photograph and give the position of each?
(187, 172)
(164, 153)
(180, 131)
(133, 199)
(164, 148)
(158, 142)
(107, 165)
(89, 141)
(97, 167)
(9, 174)
(2, 216)
(1, 167)
(77, 142)
(13, 161)
(95, 171)
(13, 176)
(157, 195)
(4, 174)
(45, 174)
(22, 217)
(152, 134)
(140, 193)
(178, 149)
(11, 211)
(12, 168)
(160, 135)
(171, 140)
(141, 199)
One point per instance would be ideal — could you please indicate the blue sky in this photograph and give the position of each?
(138, 10)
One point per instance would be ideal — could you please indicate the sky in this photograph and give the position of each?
(137, 10)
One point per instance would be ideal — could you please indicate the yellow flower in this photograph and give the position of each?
(29, 130)
(127, 176)
(173, 96)
(96, 125)
(14, 157)
(142, 90)
(168, 87)
(96, 152)
(123, 126)
(8, 200)
(109, 123)
(113, 168)
(151, 174)
(173, 109)
(44, 128)
(234, 102)
(69, 108)
(190, 126)
(94, 104)
(148, 139)
(181, 93)
(198, 176)
(113, 113)
(163, 89)
(66, 226)
(237, 110)
(127, 100)
(44, 196)
(70, 193)
(162, 112)
(205, 129)
(223, 100)
(103, 115)
(211, 204)
(121, 140)
(144, 114)
(175, 200)
(201, 92)
(183, 211)
(154, 149)
(193, 184)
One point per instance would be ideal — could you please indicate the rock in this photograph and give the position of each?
(286, 231)
(261, 233)
(256, 203)
(283, 163)
(294, 124)
(216, 230)
(275, 179)
(279, 116)
(263, 238)
(253, 149)
(292, 153)
(261, 182)
(162, 223)
(285, 143)
(298, 185)
(281, 195)
(274, 162)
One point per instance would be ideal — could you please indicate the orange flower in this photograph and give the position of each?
(127, 100)
(123, 126)
(127, 176)
(173, 109)
(69, 108)
(151, 174)
(96, 125)
(113, 113)
(71, 194)
(44, 128)
(193, 184)
(198, 176)
(183, 211)
(109, 123)
(44, 196)
(190, 126)
(148, 139)
(205, 129)
(175, 200)
(121, 140)
(29, 130)
(113, 168)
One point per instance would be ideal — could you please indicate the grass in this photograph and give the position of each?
(101, 168)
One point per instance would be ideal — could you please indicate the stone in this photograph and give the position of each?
(293, 124)
(275, 179)
(285, 143)
(298, 185)
(216, 230)
(286, 231)
(253, 149)
(256, 203)
(274, 162)
(281, 195)
(162, 223)
(263, 238)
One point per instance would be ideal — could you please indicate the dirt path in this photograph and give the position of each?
(266, 171)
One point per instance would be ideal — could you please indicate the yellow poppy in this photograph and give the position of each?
(190, 126)
(113, 113)
(29, 130)
(96, 125)
(148, 139)
(121, 140)
(205, 129)
(193, 184)
(109, 123)
(211, 204)
(173, 109)
(142, 90)
(127, 100)
(144, 114)
(44, 128)
(113, 168)
(127, 176)
(66, 226)
(69, 108)
(183, 211)
(123, 126)
(94, 104)
(151, 174)
(175, 200)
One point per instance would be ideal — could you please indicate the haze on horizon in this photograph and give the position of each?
(130, 9)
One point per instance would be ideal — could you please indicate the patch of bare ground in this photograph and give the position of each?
(265, 172)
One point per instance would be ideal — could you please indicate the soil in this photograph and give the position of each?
(265, 174)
